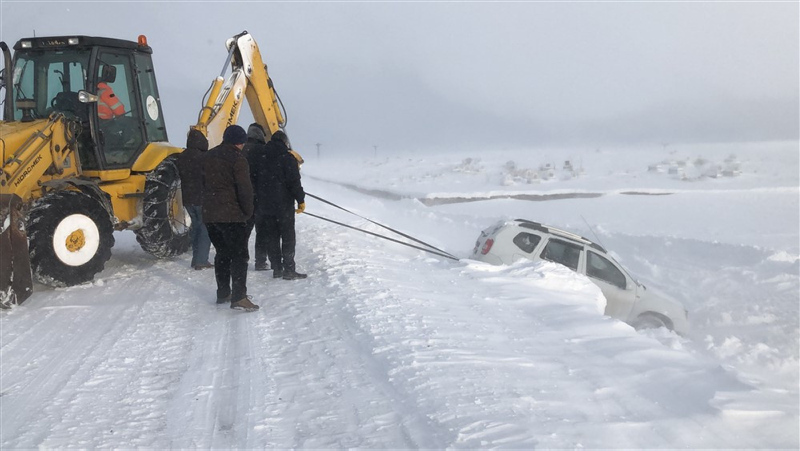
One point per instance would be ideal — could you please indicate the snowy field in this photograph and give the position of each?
(384, 346)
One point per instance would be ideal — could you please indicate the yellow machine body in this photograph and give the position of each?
(70, 151)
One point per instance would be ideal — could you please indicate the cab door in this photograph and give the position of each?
(619, 290)
(119, 129)
(153, 117)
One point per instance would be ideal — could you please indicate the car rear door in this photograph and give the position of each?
(561, 251)
(524, 245)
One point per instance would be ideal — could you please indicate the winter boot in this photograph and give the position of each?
(261, 266)
(292, 275)
(277, 274)
(245, 304)
(224, 300)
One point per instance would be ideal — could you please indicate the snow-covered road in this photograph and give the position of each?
(361, 354)
(387, 347)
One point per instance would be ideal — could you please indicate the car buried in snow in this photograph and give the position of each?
(626, 298)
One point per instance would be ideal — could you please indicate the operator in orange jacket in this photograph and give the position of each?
(109, 106)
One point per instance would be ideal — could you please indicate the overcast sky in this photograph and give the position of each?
(488, 75)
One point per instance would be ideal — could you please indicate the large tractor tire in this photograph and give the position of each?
(165, 223)
(71, 236)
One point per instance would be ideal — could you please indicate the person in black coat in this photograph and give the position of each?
(275, 176)
(227, 206)
(256, 137)
(190, 168)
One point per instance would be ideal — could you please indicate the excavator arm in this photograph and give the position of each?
(248, 80)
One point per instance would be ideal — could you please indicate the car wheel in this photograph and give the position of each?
(652, 320)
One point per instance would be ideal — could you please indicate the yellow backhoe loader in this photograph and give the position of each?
(84, 153)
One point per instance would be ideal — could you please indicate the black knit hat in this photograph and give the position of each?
(280, 135)
(234, 135)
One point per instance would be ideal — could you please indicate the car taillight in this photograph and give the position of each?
(487, 246)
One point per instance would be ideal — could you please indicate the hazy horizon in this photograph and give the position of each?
(406, 76)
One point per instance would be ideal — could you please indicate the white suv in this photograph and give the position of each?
(626, 299)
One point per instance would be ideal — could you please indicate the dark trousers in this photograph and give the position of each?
(275, 239)
(230, 263)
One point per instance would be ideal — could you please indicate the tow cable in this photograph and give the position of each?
(430, 249)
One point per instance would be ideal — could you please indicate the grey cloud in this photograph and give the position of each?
(399, 75)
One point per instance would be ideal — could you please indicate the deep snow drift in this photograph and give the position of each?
(384, 346)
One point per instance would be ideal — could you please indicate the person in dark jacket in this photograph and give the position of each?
(275, 175)
(256, 137)
(227, 206)
(190, 168)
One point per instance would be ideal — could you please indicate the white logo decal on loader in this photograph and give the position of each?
(152, 108)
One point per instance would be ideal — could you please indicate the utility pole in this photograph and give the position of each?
(376, 150)
(318, 145)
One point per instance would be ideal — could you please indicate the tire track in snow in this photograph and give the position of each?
(326, 390)
(403, 318)
(105, 382)
(28, 380)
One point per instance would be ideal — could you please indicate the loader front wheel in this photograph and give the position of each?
(71, 236)
(165, 223)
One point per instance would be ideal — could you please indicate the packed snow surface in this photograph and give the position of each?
(385, 346)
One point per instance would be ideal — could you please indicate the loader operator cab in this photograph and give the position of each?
(121, 113)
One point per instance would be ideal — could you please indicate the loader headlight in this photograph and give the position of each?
(72, 41)
(26, 44)
(86, 97)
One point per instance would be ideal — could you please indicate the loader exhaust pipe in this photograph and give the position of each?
(8, 107)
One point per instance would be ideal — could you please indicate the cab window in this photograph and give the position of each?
(44, 82)
(601, 268)
(64, 76)
(153, 117)
(567, 254)
(119, 116)
(527, 241)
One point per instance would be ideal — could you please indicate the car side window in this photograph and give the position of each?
(601, 268)
(567, 254)
(527, 241)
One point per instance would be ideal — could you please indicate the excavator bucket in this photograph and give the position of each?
(16, 283)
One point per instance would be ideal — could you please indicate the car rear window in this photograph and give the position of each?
(527, 241)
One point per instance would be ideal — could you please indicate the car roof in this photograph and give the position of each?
(558, 232)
